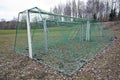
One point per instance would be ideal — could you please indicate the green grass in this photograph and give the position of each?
(2, 32)
(64, 45)
(17, 67)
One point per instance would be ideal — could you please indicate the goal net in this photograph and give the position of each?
(62, 42)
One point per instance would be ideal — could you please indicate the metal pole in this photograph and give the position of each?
(88, 31)
(62, 17)
(45, 36)
(16, 32)
(81, 32)
(101, 30)
(29, 34)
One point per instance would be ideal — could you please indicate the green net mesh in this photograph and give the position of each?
(61, 42)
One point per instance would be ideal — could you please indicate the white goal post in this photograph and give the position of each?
(29, 34)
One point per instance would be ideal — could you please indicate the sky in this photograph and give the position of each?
(9, 9)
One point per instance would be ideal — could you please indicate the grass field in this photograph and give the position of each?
(17, 67)
(66, 51)
(3, 32)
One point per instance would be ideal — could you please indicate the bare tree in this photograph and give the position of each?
(55, 10)
(81, 9)
(67, 9)
(89, 9)
(2, 24)
(97, 9)
(8, 24)
(119, 4)
(60, 9)
(101, 11)
(74, 8)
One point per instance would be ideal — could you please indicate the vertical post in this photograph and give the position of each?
(81, 33)
(45, 36)
(71, 13)
(16, 33)
(29, 34)
(101, 30)
(89, 34)
(88, 31)
(62, 17)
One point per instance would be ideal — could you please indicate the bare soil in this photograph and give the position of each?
(106, 66)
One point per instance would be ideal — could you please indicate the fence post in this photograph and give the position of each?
(88, 31)
(29, 33)
(101, 30)
(81, 32)
(45, 36)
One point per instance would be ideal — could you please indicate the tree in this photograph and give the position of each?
(119, 4)
(97, 9)
(112, 14)
(2, 24)
(107, 8)
(8, 24)
(13, 23)
(55, 10)
(119, 9)
(101, 10)
(89, 9)
(74, 8)
(67, 9)
(81, 9)
(60, 9)
(119, 15)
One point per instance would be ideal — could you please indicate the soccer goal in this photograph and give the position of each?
(62, 42)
